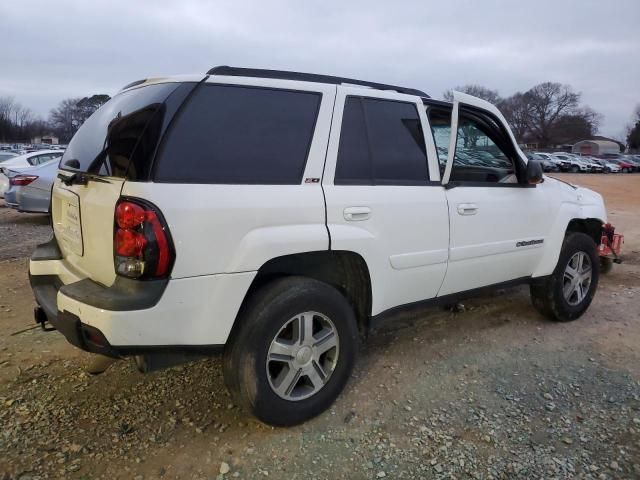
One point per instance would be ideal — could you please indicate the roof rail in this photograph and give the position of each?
(308, 77)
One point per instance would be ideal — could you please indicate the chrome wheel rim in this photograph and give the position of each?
(302, 356)
(577, 278)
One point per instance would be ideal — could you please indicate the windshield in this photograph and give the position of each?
(120, 137)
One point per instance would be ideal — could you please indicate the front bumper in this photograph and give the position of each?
(132, 316)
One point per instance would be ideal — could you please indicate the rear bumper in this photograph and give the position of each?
(136, 317)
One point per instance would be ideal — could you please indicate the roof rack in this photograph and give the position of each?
(308, 77)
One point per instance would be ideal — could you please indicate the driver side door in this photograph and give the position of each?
(498, 223)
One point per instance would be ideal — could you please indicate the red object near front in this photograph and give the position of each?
(610, 242)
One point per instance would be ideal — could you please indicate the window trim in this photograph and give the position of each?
(519, 167)
(372, 181)
(183, 107)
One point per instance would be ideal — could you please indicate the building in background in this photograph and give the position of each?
(600, 146)
(46, 139)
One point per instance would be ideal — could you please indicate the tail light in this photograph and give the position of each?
(22, 180)
(142, 246)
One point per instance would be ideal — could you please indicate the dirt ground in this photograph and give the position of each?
(494, 391)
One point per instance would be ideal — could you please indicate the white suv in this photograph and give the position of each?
(275, 216)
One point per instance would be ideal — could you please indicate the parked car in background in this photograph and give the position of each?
(633, 160)
(6, 155)
(594, 167)
(549, 157)
(571, 164)
(625, 165)
(548, 165)
(27, 160)
(30, 187)
(607, 166)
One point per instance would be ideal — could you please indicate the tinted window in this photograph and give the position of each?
(119, 139)
(480, 152)
(243, 135)
(381, 142)
(477, 157)
(440, 121)
(354, 165)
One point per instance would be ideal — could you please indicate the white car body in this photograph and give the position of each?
(575, 165)
(24, 162)
(418, 242)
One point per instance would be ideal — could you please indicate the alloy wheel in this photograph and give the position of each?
(577, 278)
(302, 356)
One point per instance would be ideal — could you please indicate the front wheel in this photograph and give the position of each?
(575, 169)
(293, 350)
(567, 293)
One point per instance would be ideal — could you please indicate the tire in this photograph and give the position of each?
(606, 264)
(574, 169)
(548, 295)
(625, 170)
(273, 313)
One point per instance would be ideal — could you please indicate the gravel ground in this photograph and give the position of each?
(21, 232)
(491, 391)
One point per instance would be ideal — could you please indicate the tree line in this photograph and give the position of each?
(18, 124)
(633, 132)
(547, 114)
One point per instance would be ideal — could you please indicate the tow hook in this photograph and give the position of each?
(610, 243)
(41, 318)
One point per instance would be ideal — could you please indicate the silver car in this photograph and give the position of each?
(27, 160)
(30, 188)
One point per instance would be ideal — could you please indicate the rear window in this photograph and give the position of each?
(381, 143)
(120, 138)
(231, 134)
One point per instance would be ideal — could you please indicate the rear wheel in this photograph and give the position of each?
(567, 293)
(293, 350)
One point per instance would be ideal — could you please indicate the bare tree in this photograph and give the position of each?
(63, 119)
(516, 110)
(71, 113)
(6, 108)
(633, 132)
(547, 103)
(477, 91)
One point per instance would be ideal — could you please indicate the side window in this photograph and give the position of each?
(381, 143)
(354, 164)
(478, 158)
(480, 147)
(440, 121)
(231, 134)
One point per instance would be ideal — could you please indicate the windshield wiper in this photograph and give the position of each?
(80, 178)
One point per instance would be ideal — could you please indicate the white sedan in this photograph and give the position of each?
(27, 160)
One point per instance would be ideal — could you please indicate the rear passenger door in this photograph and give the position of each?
(383, 194)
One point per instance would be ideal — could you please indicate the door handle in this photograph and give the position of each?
(356, 214)
(467, 208)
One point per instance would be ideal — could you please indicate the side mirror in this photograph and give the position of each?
(534, 172)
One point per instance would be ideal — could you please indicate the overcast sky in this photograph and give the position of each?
(53, 49)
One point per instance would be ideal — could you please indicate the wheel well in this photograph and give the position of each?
(590, 226)
(345, 271)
